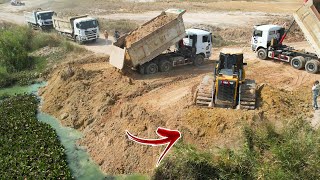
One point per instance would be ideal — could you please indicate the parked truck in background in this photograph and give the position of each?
(154, 51)
(78, 28)
(39, 19)
(267, 39)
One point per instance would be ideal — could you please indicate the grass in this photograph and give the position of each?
(4, 1)
(289, 153)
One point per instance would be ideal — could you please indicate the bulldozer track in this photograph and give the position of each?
(248, 95)
(203, 96)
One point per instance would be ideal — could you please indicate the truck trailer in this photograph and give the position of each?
(160, 44)
(39, 19)
(78, 28)
(267, 40)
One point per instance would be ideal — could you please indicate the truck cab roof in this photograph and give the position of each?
(267, 27)
(83, 19)
(44, 11)
(197, 32)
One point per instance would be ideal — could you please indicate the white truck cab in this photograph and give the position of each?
(86, 29)
(201, 40)
(263, 34)
(39, 19)
(44, 18)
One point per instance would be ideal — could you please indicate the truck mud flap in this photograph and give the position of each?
(117, 56)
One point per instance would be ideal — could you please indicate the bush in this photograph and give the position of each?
(6, 80)
(42, 39)
(29, 149)
(67, 46)
(14, 46)
(186, 163)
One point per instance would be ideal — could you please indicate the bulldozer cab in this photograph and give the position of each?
(230, 62)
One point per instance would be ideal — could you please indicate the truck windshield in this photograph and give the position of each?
(88, 24)
(45, 16)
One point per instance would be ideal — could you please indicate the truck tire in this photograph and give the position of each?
(151, 68)
(198, 60)
(262, 54)
(77, 38)
(165, 66)
(141, 69)
(298, 62)
(312, 66)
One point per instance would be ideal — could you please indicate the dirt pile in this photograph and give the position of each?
(210, 128)
(88, 94)
(227, 36)
(143, 31)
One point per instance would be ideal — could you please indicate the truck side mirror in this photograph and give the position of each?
(77, 25)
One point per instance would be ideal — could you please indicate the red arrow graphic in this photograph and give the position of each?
(169, 136)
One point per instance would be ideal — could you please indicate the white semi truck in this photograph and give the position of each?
(163, 43)
(78, 28)
(39, 19)
(267, 39)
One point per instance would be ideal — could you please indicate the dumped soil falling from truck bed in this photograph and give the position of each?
(143, 31)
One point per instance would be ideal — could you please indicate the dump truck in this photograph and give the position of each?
(39, 19)
(267, 40)
(227, 86)
(78, 28)
(161, 44)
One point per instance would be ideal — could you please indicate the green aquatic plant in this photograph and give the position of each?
(29, 149)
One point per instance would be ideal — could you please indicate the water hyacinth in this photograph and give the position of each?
(29, 149)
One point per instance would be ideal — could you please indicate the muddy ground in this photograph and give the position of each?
(88, 94)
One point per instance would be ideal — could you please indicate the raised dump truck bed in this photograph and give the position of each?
(308, 18)
(149, 40)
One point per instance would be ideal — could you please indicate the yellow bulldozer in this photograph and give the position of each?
(227, 87)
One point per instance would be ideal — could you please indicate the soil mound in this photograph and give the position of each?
(90, 95)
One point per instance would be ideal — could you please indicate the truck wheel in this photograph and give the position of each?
(141, 69)
(165, 66)
(298, 62)
(262, 54)
(198, 60)
(312, 66)
(78, 40)
(151, 68)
